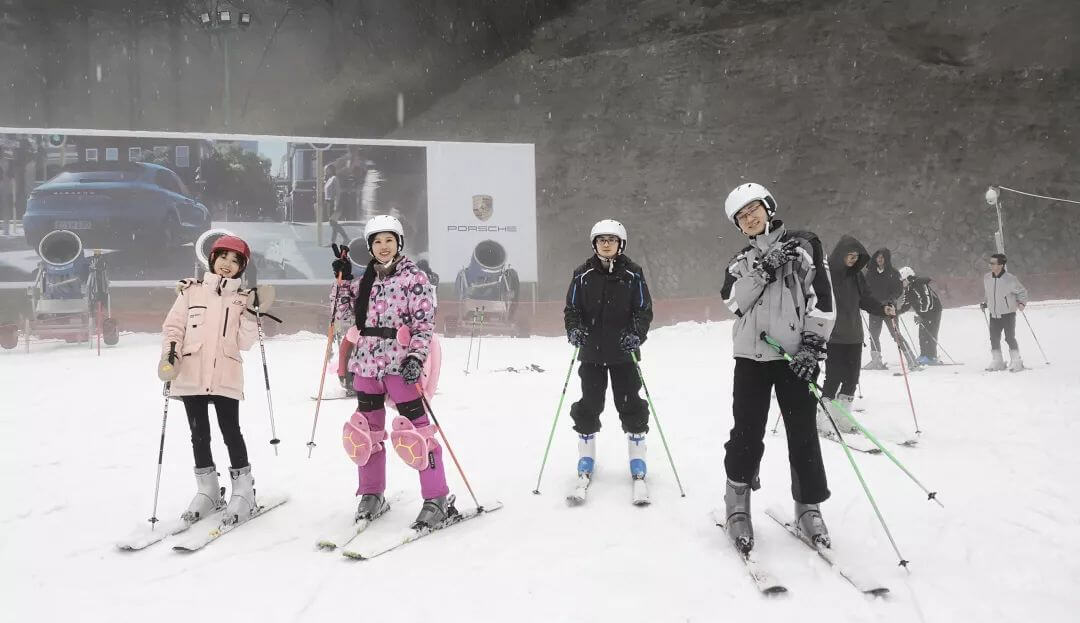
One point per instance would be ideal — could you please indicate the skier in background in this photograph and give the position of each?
(607, 316)
(778, 285)
(1004, 296)
(846, 340)
(884, 283)
(920, 297)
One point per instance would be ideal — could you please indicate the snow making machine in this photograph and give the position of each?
(69, 298)
(488, 290)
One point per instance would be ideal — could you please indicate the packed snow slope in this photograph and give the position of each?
(80, 433)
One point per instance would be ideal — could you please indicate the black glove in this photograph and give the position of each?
(804, 363)
(342, 265)
(629, 341)
(577, 336)
(411, 369)
(778, 257)
(918, 321)
(982, 305)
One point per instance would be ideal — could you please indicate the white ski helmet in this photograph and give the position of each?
(608, 227)
(744, 195)
(905, 273)
(384, 223)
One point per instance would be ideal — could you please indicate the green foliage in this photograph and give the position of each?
(239, 179)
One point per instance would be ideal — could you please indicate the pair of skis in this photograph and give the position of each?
(767, 583)
(577, 497)
(365, 551)
(202, 532)
(862, 444)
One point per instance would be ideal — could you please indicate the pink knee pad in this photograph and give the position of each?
(413, 444)
(359, 440)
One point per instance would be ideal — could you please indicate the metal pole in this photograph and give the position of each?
(320, 180)
(1001, 228)
(558, 409)
(226, 104)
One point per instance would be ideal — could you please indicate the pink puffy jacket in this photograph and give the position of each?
(210, 328)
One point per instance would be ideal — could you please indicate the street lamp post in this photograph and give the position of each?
(221, 21)
(992, 198)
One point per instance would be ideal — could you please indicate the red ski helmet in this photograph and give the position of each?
(230, 243)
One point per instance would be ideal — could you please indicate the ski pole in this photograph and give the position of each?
(1024, 314)
(903, 369)
(446, 440)
(326, 357)
(558, 409)
(161, 445)
(274, 441)
(776, 426)
(656, 417)
(816, 390)
(468, 355)
(910, 337)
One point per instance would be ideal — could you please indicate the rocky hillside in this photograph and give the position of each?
(870, 118)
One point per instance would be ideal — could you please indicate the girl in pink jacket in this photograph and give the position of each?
(393, 307)
(203, 335)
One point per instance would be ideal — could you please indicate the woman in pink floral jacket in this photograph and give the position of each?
(393, 307)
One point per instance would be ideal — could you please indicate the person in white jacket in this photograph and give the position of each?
(1004, 295)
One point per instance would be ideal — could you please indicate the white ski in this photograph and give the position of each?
(856, 579)
(342, 536)
(199, 541)
(763, 580)
(581, 489)
(145, 537)
(366, 552)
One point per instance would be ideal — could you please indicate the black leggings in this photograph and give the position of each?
(842, 369)
(1006, 322)
(228, 417)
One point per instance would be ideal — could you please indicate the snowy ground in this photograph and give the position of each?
(79, 437)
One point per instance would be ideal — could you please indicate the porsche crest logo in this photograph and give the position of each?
(483, 206)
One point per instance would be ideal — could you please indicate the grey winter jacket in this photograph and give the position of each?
(799, 299)
(1003, 293)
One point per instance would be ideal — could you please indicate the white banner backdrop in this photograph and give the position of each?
(480, 192)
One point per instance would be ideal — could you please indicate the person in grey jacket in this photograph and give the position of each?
(1004, 296)
(778, 285)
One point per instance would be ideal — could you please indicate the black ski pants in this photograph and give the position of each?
(875, 332)
(1006, 322)
(228, 417)
(929, 324)
(753, 385)
(842, 369)
(625, 385)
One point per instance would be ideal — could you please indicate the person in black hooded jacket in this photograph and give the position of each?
(850, 293)
(884, 283)
(607, 316)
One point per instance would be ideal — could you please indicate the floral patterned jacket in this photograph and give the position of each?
(403, 298)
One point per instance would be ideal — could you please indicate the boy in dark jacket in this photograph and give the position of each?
(607, 316)
(920, 297)
(884, 283)
(844, 354)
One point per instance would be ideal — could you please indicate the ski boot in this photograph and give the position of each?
(738, 525)
(1016, 364)
(636, 448)
(998, 362)
(586, 446)
(875, 362)
(923, 360)
(209, 498)
(371, 507)
(842, 422)
(434, 512)
(810, 524)
(242, 497)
